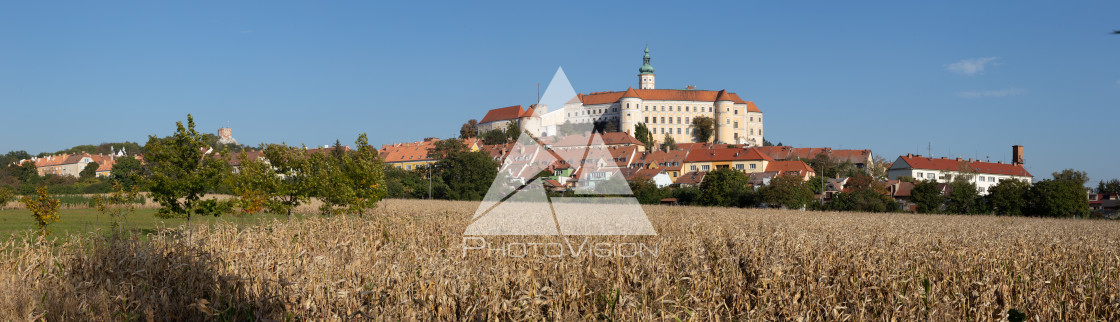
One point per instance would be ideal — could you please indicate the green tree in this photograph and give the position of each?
(182, 173)
(702, 128)
(348, 181)
(787, 191)
(1071, 175)
(1110, 186)
(493, 137)
(28, 173)
(668, 144)
(253, 184)
(469, 129)
(294, 186)
(513, 131)
(964, 199)
(43, 208)
(643, 134)
(1062, 196)
(927, 196)
(1009, 197)
(90, 171)
(647, 192)
(127, 171)
(467, 175)
(723, 187)
(446, 148)
(6, 196)
(866, 200)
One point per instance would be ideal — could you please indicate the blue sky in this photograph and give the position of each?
(969, 79)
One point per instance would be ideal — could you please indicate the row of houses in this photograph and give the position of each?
(73, 164)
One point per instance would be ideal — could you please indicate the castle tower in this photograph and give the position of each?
(645, 73)
(724, 131)
(631, 114)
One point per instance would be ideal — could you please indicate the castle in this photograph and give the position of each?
(664, 112)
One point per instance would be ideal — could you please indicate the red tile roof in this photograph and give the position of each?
(736, 154)
(505, 113)
(917, 162)
(665, 95)
(691, 178)
(782, 167)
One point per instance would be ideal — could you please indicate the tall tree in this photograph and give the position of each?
(348, 182)
(446, 148)
(702, 128)
(723, 187)
(787, 191)
(1009, 197)
(127, 171)
(253, 184)
(643, 134)
(493, 137)
(466, 175)
(182, 172)
(469, 129)
(1063, 196)
(89, 171)
(294, 186)
(964, 199)
(1071, 175)
(1110, 186)
(927, 196)
(668, 144)
(513, 130)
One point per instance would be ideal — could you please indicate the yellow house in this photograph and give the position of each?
(414, 155)
(748, 160)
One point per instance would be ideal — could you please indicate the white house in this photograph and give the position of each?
(944, 170)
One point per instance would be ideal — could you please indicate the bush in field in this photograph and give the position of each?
(6, 196)
(43, 208)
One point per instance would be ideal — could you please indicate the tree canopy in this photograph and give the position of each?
(702, 128)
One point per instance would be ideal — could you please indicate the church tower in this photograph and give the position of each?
(645, 73)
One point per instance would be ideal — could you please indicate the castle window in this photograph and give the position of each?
(736, 112)
(686, 108)
(736, 124)
(678, 108)
(647, 119)
(678, 119)
(662, 120)
(678, 130)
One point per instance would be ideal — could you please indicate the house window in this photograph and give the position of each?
(981, 178)
(739, 166)
(753, 166)
(981, 189)
(706, 167)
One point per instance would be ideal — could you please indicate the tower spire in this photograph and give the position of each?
(645, 73)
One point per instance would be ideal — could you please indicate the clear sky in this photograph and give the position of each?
(969, 78)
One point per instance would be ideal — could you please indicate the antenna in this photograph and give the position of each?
(929, 148)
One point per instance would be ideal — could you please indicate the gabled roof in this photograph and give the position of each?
(725, 154)
(504, 114)
(945, 164)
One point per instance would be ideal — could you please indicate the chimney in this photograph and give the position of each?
(999, 162)
(908, 155)
(959, 159)
(691, 87)
(1017, 155)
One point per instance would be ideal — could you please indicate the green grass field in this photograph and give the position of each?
(18, 222)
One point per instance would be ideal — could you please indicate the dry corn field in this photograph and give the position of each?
(408, 263)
